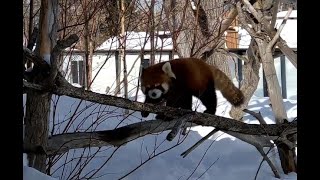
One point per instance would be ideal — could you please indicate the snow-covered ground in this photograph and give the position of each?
(235, 159)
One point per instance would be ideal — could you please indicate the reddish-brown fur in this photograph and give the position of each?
(193, 77)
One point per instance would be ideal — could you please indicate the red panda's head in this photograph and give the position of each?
(156, 81)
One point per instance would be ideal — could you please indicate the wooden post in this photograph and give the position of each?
(264, 85)
(240, 71)
(283, 77)
(118, 70)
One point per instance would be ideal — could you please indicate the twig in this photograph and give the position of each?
(188, 151)
(260, 148)
(256, 115)
(225, 51)
(265, 157)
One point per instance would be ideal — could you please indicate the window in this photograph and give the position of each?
(77, 71)
(145, 63)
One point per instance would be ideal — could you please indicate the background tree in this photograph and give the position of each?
(198, 31)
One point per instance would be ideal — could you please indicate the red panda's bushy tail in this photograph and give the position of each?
(227, 88)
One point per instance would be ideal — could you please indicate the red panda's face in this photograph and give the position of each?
(156, 81)
(156, 91)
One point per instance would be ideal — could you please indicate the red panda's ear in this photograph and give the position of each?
(167, 69)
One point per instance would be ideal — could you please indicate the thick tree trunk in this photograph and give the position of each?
(220, 60)
(36, 125)
(287, 155)
(250, 81)
(272, 81)
(38, 104)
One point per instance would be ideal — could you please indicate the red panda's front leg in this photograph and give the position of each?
(151, 101)
(209, 99)
(183, 101)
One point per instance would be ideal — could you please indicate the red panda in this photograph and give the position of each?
(176, 81)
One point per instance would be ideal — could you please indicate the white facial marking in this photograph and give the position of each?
(165, 86)
(154, 93)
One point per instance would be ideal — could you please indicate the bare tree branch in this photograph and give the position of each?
(203, 119)
(37, 60)
(61, 45)
(242, 20)
(188, 151)
(225, 51)
(266, 158)
(63, 142)
(281, 43)
(32, 149)
(256, 115)
(253, 11)
(274, 13)
(277, 35)
(117, 137)
(287, 52)
(223, 27)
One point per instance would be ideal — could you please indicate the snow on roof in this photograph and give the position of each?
(282, 14)
(136, 41)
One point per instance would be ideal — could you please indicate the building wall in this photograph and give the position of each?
(104, 68)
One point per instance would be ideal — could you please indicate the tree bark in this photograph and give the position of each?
(274, 90)
(203, 119)
(220, 61)
(265, 50)
(89, 64)
(87, 40)
(36, 125)
(60, 143)
(38, 104)
(123, 51)
(250, 81)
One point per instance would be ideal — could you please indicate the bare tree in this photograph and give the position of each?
(266, 43)
(67, 146)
